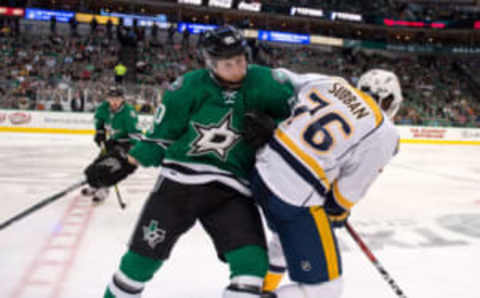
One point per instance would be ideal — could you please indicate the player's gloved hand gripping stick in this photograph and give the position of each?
(108, 169)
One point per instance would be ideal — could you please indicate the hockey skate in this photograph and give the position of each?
(100, 195)
(88, 191)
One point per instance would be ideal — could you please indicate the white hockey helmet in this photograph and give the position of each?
(384, 87)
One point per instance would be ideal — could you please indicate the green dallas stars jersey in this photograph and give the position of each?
(196, 134)
(121, 125)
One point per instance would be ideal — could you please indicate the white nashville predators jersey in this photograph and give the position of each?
(337, 139)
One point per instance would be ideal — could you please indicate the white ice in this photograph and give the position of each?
(421, 219)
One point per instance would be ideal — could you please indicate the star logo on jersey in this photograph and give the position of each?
(216, 138)
(152, 234)
(229, 96)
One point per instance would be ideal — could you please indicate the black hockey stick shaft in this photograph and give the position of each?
(375, 261)
(41, 204)
(120, 200)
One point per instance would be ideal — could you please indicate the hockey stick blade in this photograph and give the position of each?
(374, 261)
(41, 204)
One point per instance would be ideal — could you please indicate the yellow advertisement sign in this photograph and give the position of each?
(325, 40)
(87, 18)
(248, 33)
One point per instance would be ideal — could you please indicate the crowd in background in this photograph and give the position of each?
(436, 90)
(401, 9)
(71, 72)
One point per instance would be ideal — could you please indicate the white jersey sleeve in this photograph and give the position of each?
(337, 139)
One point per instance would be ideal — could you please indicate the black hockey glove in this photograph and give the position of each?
(114, 145)
(100, 137)
(336, 213)
(109, 169)
(258, 128)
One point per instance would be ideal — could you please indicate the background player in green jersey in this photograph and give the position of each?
(197, 138)
(115, 129)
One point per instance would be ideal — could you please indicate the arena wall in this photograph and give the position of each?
(18, 121)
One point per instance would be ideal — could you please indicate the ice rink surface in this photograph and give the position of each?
(421, 218)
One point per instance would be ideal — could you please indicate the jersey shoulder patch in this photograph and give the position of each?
(279, 76)
(133, 114)
(176, 85)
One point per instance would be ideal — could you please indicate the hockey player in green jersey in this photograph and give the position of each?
(115, 129)
(198, 139)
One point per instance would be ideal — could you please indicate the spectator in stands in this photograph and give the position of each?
(154, 31)
(93, 26)
(77, 103)
(186, 38)
(147, 107)
(109, 26)
(120, 71)
(23, 103)
(171, 33)
(73, 27)
(53, 25)
(56, 105)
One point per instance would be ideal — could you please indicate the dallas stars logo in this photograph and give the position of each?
(216, 138)
(152, 234)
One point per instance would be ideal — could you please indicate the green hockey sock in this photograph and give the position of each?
(135, 271)
(138, 267)
(249, 260)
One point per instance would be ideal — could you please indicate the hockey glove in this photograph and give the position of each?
(109, 169)
(258, 128)
(100, 137)
(338, 220)
(114, 145)
(336, 213)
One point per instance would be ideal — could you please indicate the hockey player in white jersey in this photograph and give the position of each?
(319, 163)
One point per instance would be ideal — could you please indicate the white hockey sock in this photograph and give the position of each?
(244, 287)
(122, 286)
(330, 289)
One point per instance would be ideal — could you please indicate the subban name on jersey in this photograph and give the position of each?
(349, 99)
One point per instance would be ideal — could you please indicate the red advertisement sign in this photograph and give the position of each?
(12, 11)
(402, 23)
(428, 133)
(19, 118)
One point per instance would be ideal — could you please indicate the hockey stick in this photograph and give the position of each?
(120, 200)
(41, 204)
(374, 260)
